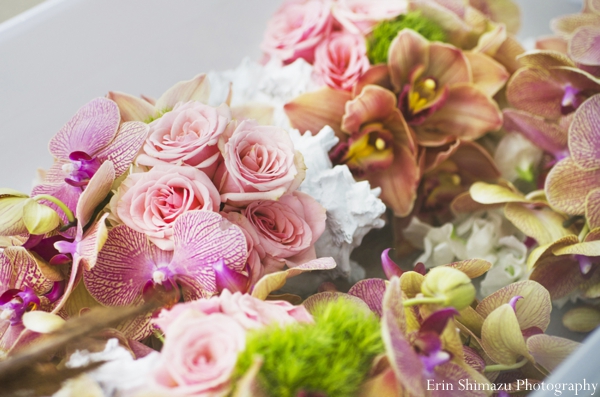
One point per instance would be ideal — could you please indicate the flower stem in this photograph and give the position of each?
(423, 300)
(159, 336)
(502, 367)
(59, 203)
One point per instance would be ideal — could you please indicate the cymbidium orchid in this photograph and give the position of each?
(129, 265)
(94, 135)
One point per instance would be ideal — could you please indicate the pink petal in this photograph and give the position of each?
(373, 104)
(550, 351)
(371, 291)
(6, 272)
(549, 136)
(567, 186)
(448, 65)
(535, 91)
(27, 272)
(124, 265)
(467, 113)
(314, 301)
(314, 110)
(93, 127)
(407, 51)
(488, 75)
(592, 208)
(202, 238)
(552, 43)
(567, 24)
(132, 108)
(126, 145)
(584, 134)
(376, 75)
(95, 192)
(196, 89)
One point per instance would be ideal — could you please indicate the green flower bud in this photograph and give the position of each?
(452, 285)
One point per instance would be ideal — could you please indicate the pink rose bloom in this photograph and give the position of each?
(248, 311)
(287, 229)
(296, 29)
(360, 16)
(340, 60)
(260, 163)
(200, 354)
(186, 135)
(149, 202)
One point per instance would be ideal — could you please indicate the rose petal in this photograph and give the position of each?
(531, 311)
(584, 135)
(92, 128)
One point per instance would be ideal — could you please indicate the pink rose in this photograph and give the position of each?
(200, 354)
(248, 311)
(260, 163)
(186, 135)
(340, 60)
(149, 202)
(360, 16)
(296, 29)
(287, 229)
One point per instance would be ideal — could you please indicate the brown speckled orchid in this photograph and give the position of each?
(94, 135)
(573, 184)
(544, 93)
(129, 265)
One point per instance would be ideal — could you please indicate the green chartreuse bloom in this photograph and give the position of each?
(450, 286)
(332, 356)
(378, 43)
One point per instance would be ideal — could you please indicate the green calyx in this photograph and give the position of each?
(378, 42)
(332, 356)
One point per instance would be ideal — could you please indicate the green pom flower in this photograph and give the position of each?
(332, 356)
(379, 41)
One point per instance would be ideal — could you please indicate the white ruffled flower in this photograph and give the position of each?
(353, 208)
(517, 157)
(484, 235)
(270, 84)
(119, 376)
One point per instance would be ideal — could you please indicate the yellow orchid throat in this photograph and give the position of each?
(369, 149)
(421, 94)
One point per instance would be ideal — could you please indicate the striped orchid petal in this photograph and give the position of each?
(371, 291)
(584, 135)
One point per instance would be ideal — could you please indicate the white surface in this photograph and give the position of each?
(58, 56)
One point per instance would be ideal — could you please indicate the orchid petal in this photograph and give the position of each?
(550, 351)
(376, 75)
(584, 45)
(390, 268)
(274, 281)
(472, 267)
(196, 89)
(488, 75)
(501, 336)
(373, 104)
(371, 291)
(11, 214)
(448, 65)
(38, 218)
(126, 145)
(92, 242)
(404, 360)
(314, 110)
(95, 192)
(473, 359)
(536, 91)
(582, 319)
(544, 225)
(531, 311)
(137, 328)
(92, 128)
(506, 12)
(454, 377)
(381, 385)
(584, 135)
(567, 24)
(471, 319)
(27, 271)
(262, 113)
(586, 248)
(399, 182)
(229, 279)
(202, 238)
(407, 51)
(124, 265)
(508, 53)
(567, 186)
(42, 322)
(438, 320)
(6, 272)
(487, 193)
(549, 136)
(559, 276)
(545, 59)
(410, 283)
(313, 302)
(468, 113)
(592, 208)
(555, 44)
(132, 108)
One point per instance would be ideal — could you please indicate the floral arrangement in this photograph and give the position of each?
(208, 242)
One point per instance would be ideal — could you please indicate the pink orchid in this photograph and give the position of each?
(94, 135)
(129, 264)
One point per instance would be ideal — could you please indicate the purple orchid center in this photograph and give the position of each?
(162, 286)
(227, 278)
(570, 100)
(585, 264)
(14, 303)
(80, 169)
(429, 347)
(46, 249)
(513, 302)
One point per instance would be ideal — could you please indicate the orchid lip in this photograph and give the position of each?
(390, 268)
(16, 303)
(56, 292)
(81, 168)
(513, 302)
(585, 264)
(570, 100)
(227, 278)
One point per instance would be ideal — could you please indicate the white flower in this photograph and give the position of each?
(516, 157)
(271, 84)
(484, 235)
